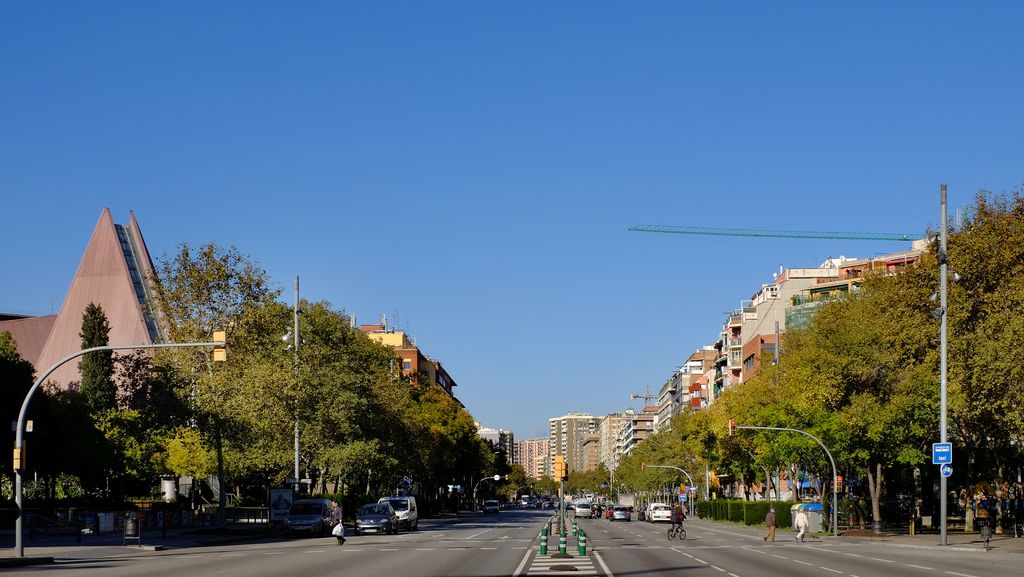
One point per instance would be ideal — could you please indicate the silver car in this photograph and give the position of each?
(620, 513)
(376, 518)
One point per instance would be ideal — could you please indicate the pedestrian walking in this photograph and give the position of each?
(769, 520)
(337, 527)
(801, 524)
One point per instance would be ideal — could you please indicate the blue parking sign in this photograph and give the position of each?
(942, 453)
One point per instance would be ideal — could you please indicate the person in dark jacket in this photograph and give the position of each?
(676, 516)
(336, 517)
(769, 520)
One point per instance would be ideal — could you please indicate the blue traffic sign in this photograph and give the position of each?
(946, 470)
(942, 453)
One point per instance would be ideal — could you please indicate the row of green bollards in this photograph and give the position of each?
(581, 541)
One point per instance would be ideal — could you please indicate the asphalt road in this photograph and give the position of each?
(716, 549)
(505, 545)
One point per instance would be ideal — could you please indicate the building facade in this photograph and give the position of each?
(532, 455)
(566, 435)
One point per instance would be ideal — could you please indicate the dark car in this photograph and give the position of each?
(309, 516)
(377, 518)
(491, 506)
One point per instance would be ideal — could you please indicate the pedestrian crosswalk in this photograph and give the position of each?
(580, 566)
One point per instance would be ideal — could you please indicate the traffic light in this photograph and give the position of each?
(682, 487)
(839, 483)
(561, 468)
(220, 354)
(732, 427)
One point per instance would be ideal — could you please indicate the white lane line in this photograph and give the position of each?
(919, 567)
(388, 549)
(827, 569)
(601, 562)
(480, 533)
(882, 560)
(960, 574)
(424, 549)
(853, 554)
(700, 560)
(267, 553)
(489, 548)
(717, 567)
(803, 562)
(734, 575)
(519, 569)
(754, 551)
(779, 556)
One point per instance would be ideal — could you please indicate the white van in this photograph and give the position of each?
(405, 507)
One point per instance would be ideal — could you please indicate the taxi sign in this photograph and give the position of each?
(942, 453)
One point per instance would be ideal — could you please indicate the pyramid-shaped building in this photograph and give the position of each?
(115, 273)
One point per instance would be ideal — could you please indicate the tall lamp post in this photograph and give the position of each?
(943, 341)
(688, 477)
(494, 478)
(219, 355)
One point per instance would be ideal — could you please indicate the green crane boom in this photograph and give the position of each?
(700, 230)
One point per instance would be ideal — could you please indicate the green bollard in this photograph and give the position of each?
(575, 529)
(561, 543)
(582, 543)
(544, 540)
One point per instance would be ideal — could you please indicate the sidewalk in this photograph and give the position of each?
(44, 548)
(956, 541)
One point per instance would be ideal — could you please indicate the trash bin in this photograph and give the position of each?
(814, 511)
(131, 527)
(814, 515)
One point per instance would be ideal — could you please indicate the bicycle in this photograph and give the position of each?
(677, 533)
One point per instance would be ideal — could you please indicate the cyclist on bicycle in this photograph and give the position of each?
(677, 516)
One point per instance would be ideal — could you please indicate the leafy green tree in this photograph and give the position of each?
(16, 375)
(97, 367)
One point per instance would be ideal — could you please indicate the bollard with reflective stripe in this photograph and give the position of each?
(544, 540)
(575, 529)
(561, 543)
(582, 542)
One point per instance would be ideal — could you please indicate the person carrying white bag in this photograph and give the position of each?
(337, 527)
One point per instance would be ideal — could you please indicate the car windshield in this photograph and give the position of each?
(490, 502)
(373, 510)
(400, 505)
(661, 508)
(305, 509)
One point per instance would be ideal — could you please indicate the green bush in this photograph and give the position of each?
(746, 512)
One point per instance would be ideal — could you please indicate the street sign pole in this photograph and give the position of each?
(943, 343)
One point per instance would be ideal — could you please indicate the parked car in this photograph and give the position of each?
(309, 516)
(405, 507)
(620, 513)
(584, 510)
(490, 506)
(659, 512)
(377, 518)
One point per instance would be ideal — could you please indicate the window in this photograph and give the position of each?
(406, 364)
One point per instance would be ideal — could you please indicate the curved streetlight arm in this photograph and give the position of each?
(835, 474)
(688, 478)
(19, 435)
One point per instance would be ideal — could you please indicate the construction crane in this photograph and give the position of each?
(700, 230)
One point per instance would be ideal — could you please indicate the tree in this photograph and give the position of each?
(97, 367)
(16, 376)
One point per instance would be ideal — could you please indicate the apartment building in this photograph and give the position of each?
(566, 435)
(532, 455)
(414, 364)
(502, 440)
(609, 443)
(638, 428)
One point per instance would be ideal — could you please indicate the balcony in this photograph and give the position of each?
(735, 320)
(735, 342)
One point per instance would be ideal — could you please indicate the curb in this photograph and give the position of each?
(24, 561)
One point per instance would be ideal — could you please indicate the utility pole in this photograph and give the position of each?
(295, 345)
(943, 342)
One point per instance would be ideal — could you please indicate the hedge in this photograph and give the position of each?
(746, 512)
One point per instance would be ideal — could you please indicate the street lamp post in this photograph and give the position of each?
(494, 478)
(835, 474)
(688, 478)
(19, 436)
(943, 342)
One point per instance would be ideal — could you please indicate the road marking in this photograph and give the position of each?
(717, 567)
(919, 567)
(699, 560)
(754, 551)
(268, 553)
(882, 560)
(827, 569)
(600, 561)
(802, 562)
(425, 549)
(734, 575)
(483, 548)
(480, 533)
(779, 556)
(853, 554)
(385, 550)
(960, 574)
(522, 564)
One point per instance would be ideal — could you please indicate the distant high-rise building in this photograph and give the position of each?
(532, 455)
(500, 439)
(566, 435)
(609, 448)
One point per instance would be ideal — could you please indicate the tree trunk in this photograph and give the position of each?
(875, 488)
(918, 500)
(222, 498)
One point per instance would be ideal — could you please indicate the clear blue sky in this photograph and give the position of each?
(473, 166)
